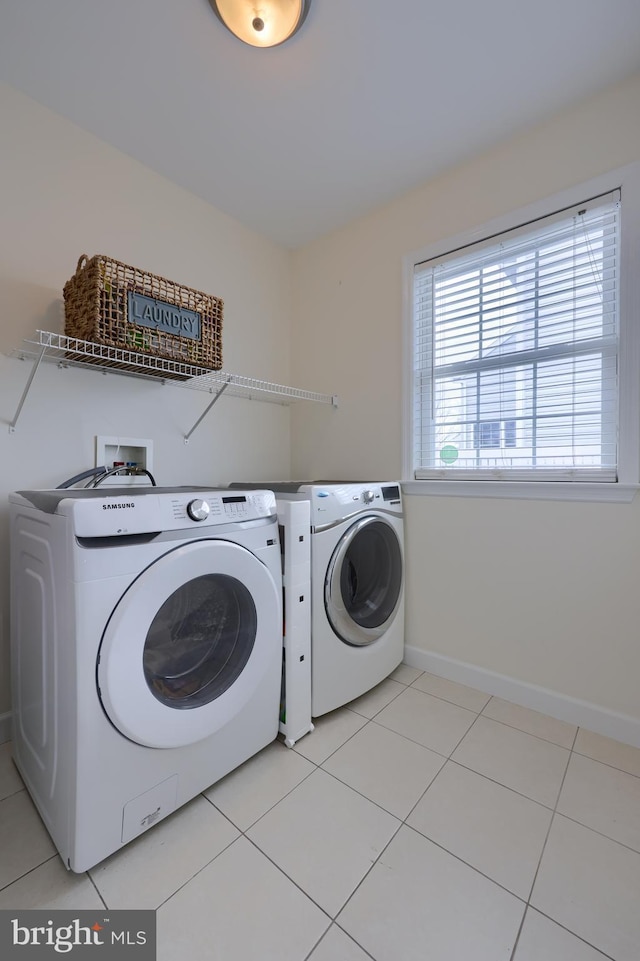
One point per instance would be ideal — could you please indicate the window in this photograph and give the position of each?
(494, 433)
(516, 349)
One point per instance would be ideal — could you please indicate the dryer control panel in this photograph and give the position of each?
(332, 503)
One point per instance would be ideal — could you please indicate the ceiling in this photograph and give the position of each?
(367, 101)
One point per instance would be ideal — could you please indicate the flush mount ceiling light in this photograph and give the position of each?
(262, 23)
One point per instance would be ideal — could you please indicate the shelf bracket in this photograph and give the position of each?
(202, 416)
(34, 371)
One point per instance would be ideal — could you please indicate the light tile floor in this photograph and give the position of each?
(425, 820)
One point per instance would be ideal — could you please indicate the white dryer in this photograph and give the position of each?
(146, 649)
(357, 585)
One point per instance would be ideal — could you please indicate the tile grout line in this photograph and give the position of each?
(264, 813)
(195, 875)
(487, 717)
(308, 956)
(553, 815)
(472, 867)
(98, 891)
(600, 834)
(412, 740)
(7, 797)
(545, 740)
(507, 787)
(544, 847)
(548, 917)
(351, 736)
(448, 700)
(481, 713)
(613, 767)
(292, 880)
(447, 758)
(29, 871)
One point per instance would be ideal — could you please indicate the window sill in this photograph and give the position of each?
(524, 490)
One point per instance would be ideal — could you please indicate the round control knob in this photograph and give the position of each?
(198, 510)
(368, 496)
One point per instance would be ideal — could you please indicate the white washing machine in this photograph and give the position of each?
(146, 649)
(357, 585)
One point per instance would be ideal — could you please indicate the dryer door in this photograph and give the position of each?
(188, 644)
(363, 584)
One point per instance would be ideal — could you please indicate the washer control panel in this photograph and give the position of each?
(220, 508)
(154, 511)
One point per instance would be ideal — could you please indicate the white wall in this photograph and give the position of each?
(547, 594)
(63, 193)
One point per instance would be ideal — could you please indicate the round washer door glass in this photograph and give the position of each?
(199, 641)
(363, 584)
(189, 643)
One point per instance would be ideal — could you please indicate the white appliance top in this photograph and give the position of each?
(140, 510)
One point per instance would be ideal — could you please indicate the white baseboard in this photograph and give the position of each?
(620, 727)
(5, 727)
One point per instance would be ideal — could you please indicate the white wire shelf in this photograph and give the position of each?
(72, 352)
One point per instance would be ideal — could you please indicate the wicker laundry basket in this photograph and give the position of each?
(115, 305)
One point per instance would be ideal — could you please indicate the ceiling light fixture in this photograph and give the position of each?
(262, 23)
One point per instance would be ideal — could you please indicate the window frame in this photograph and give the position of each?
(627, 180)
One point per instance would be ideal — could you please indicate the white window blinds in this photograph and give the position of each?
(515, 352)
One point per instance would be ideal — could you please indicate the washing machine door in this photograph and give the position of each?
(363, 583)
(189, 643)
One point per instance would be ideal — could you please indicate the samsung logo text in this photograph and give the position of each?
(117, 507)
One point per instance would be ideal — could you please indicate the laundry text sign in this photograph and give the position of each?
(158, 315)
